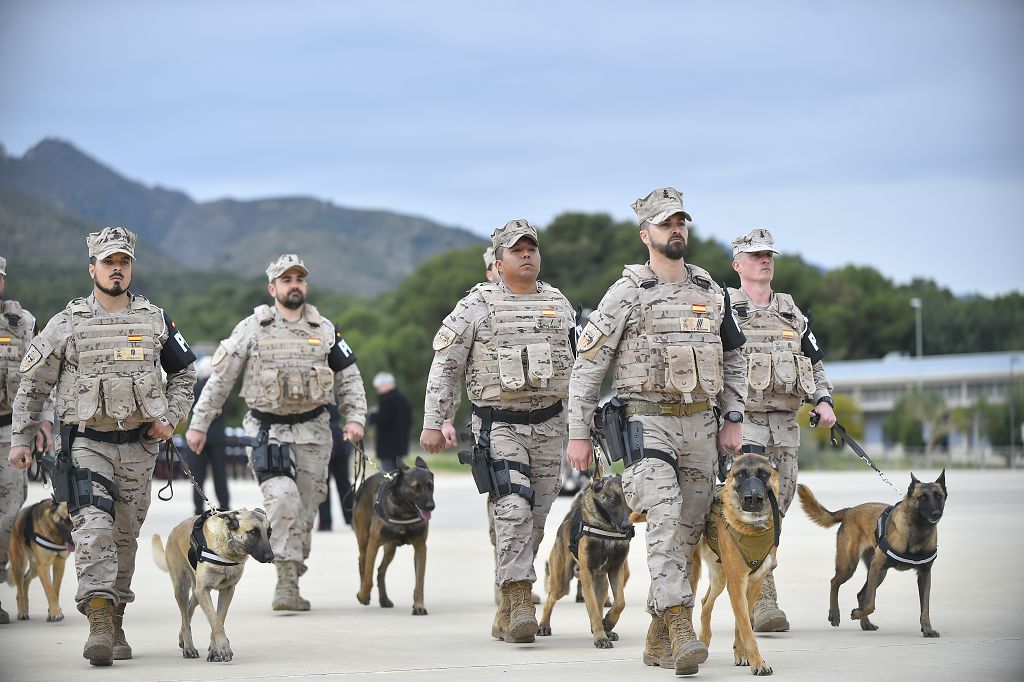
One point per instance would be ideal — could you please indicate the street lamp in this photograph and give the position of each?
(915, 303)
(1013, 417)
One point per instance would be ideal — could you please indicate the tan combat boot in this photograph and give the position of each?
(122, 649)
(766, 615)
(286, 594)
(688, 652)
(499, 628)
(522, 614)
(99, 647)
(658, 647)
(4, 618)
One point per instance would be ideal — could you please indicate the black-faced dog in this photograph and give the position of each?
(206, 553)
(392, 508)
(904, 536)
(592, 544)
(40, 539)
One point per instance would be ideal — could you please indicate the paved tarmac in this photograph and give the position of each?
(977, 600)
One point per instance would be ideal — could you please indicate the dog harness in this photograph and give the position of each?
(915, 559)
(753, 548)
(391, 478)
(578, 529)
(32, 536)
(197, 549)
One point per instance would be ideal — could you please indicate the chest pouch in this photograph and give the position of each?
(150, 395)
(294, 385)
(118, 397)
(805, 375)
(510, 368)
(759, 372)
(539, 364)
(784, 365)
(321, 383)
(270, 385)
(682, 370)
(87, 403)
(709, 368)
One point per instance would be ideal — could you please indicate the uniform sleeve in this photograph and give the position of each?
(809, 346)
(348, 385)
(40, 370)
(734, 385)
(597, 347)
(46, 413)
(452, 344)
(228, 362)
(178, 361)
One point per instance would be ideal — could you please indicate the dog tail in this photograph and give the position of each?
(158, 554)
(638, 517)
(821, 516)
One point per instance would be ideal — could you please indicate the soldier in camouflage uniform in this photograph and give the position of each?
(17, 327)
(104, 354)
(511, 340)
(784, 369)
(667, 334)
(295, 363)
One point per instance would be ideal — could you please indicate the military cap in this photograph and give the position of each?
(3, 265)
(513, 231)
(754, 241)
(659, 206)
(111, 240)
(489, 258)
(283, 264)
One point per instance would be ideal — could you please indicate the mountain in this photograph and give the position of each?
(356, 251)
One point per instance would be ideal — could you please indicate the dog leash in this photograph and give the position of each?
(840, 437)
(169, 466)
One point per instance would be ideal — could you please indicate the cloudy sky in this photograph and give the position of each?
(878, 133)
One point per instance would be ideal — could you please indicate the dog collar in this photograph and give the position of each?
(390, 479)
(916, 559)
(49, 544)
(198, 552)
(579, 529)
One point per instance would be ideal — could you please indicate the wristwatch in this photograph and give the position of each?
(734, 416)
(826, 399)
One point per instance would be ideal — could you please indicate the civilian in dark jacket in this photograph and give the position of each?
(393, 421)
(341, 455)
(215, 453)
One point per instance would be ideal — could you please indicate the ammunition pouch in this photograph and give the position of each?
(269, 460)
(493, 476)
(73, 484)
(622, 439)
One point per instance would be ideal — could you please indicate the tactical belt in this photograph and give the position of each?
(918, 559)
(198, 552)
(6, 419)
(520, 416)
(268, 418)
(113, 437)
(645, 409)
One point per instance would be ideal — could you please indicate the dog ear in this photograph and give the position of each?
(420, 463)
(597, 484)
(913, 484)
(232, 520)
(260, 512)
(941, 480)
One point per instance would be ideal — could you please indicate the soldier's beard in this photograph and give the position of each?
(116, 289)
(674, 250)
(293, 300)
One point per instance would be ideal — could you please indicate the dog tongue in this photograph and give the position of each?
(70, 546)
(425, 514)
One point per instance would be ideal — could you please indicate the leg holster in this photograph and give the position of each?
(73, 484)
(498, 470)
(270, 460)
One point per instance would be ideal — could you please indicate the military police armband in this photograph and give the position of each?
(175, 355)
(732, 336)
(809, 344)
(341, 355)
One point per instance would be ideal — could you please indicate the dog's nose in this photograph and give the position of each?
(429, 506)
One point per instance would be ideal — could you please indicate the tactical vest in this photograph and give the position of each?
(779, 375)
(287, 371)
(15, 336)
(118, 378)
(754, 549)
(676, 349)
(528, 353)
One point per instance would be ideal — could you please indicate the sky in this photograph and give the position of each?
(874, 133)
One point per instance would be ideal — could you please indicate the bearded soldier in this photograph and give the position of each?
(104, 354)
(665, 330)
(295, 363)
(511, 339)
(17, 327)
(784, 369)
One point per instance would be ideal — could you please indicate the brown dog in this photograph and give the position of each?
(904, 537)
(40, 540)
(739, 544)
(206, 553)
(592, 544)
(392, 509)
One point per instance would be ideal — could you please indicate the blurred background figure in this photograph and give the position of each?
(392, 419)
(341, 456)
(215, 452)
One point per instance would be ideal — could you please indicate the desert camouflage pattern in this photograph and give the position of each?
(508, 234)
(676, 499)
(3, 266)
(111, 240)
(283, 264)
(755, 241)
(13, 491)
(659, 206)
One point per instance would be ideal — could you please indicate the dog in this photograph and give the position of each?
(903, 536)
(739, 544)
(392, 508)
(40, 541)
(592, 544)
(206, 553)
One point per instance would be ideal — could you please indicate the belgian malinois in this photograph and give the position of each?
(391, 509)
(904, 536)
(214, 560)
(739, 544)
(40, 540)
(592, 544)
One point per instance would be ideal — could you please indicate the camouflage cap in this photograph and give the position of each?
(754, 241)
(3, 265)
(111, 240)
(513, 231)
(283, 264)
(659, 206)
(489, 258)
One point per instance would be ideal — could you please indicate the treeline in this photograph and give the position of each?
(858, 312)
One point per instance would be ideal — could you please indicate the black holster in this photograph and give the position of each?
(73, 484)
(269, 460)
(610, 425)
(493, 476)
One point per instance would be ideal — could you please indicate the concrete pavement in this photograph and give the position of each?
(977, 597)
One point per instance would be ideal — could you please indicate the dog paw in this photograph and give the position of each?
(857, 614)
(761, 670)
(363, 599)
(386, 603)
(614, 636)
(833, 618)
(866, 624)
(189, 652)
(603, 643)
(419, 611)
(544, 631)
(219, 655)
(930, 633)
(740, 660)
(22, 616)
(55, 617)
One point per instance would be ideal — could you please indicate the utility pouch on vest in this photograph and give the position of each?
(682, 370)
(759, 372)
(294, 385)
(540, 367)
(784, 366)
(118, 397)
(88, 403)
(709, 368)
(270, 386)
(805, 374)
(609, 423)
(150, 396)
(510, 368)
(321, 384)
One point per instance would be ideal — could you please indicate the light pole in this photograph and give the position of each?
(1013, 416)
(915, 303)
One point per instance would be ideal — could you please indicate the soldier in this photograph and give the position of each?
(295, 363)
(17, 327)
(104, 354)
(511, 340)
(784, 369)
(666, 331)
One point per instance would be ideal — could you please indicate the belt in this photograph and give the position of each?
(520, 416)
(6, 419)
(114, 437)
(267, 418)
(646, 409)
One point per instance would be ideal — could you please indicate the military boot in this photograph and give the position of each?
(688, 652)
(99, 647)
(522, 614)
(766, 615)
(122, 649)
(499, 628)
(286, 594)
(4, 618)
(658, 647)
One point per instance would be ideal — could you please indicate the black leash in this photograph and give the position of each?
(169, 466)
(841, 437)
(359, 473)
(36, 472)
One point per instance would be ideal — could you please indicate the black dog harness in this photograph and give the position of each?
(30, 534)
(197, 549)
(391, 479)
(578, 529)
(916, 559)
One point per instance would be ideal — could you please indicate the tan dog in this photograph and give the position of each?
(739, 544)
(206, 553)
(40, 539)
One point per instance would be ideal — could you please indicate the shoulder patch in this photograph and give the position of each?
(220, 357)
(38, 351)
(589, 338)
(444, 338)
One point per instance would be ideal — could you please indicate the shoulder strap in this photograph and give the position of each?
(313, 316)
(264, 315)
(79, 306)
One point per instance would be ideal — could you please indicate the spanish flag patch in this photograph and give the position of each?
(314, 342)
(699, 308)
(135, 338)
(788, 334)
(5, 339)
(549, 312)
